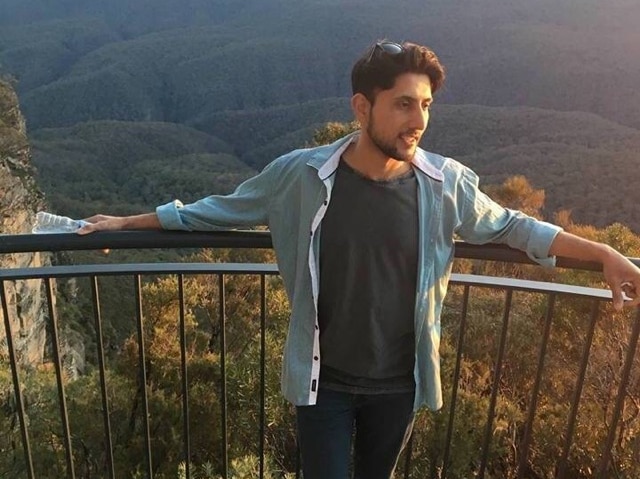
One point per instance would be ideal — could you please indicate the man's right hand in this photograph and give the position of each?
(115, 223)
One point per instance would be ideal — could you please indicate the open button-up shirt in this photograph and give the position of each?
(291, 196)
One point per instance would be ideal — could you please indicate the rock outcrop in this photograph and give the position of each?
(20, 198)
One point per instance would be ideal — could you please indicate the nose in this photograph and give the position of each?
(420, 119)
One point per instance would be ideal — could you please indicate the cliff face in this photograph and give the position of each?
(20, 198)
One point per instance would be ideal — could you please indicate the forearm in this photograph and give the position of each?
(621, 274)
(146, 221)
(572, 246)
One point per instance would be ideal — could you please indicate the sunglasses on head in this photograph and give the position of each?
(390, 48)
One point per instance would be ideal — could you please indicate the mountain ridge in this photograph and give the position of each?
(542, 55)
(584, 163)
(260, 76)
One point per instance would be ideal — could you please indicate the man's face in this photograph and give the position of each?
(399, 116)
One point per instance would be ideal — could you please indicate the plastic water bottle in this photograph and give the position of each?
(50, 223)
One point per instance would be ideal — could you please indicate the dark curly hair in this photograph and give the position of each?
(383, 62)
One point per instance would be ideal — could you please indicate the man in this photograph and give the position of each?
(363, 231)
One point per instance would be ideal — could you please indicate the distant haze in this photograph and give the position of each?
(170, 60)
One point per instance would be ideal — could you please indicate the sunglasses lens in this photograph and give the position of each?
(391, 48)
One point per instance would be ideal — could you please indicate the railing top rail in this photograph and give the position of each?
(530, 286)
(29, 243)
(119, 269)
(122, 269)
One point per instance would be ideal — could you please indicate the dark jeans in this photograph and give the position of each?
(383, 424)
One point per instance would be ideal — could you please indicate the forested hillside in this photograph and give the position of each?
(262, 75)
(175, 61)
(127, 167)
(584, 163)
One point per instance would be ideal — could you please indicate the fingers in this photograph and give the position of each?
(98, 223)
(86, 229)
(633, 302)
(618, 299)
(624, 294)
(624, 280)
(628, 289)
(631, 294)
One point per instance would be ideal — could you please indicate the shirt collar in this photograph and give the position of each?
(327, 158)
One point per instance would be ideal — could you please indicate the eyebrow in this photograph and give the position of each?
(413, 98)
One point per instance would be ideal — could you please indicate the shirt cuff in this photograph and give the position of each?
(540, 242)
(169, 216)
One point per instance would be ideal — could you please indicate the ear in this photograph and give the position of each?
(361, 108)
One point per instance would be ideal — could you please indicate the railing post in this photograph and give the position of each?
(408, 451)
(263, 349)
(26, 446)
(496, 384)
(568, 437)
(622, 392)
(66, 432)
(143, 374)
(456, 381)
(223, 371)
(526, 441)
(103, 381)
(185, 380)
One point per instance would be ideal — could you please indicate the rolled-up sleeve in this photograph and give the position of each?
(482, 220)
(169, 216)
(247, 206)
(540, 241)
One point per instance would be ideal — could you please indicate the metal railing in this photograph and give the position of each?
(439, 466)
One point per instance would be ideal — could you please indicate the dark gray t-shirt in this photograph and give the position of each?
(368, 274)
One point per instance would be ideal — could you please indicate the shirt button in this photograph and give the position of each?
(315, 358)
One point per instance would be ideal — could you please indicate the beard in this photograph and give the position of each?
(389, 147)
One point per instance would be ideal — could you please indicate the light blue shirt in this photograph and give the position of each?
(291, 195)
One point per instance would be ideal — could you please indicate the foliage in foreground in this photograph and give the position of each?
(203, 334)
(242, 335)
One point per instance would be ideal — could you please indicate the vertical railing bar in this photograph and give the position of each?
(223, 371)
(604, 461)
(407, 457)
(26, 446)
(263, 348)
(62, 400)
(622, 390)
(298, 461)
(568, 437)
(143, 372)
(496, 384)
(635, 457)
(456, 381)
(528, 430)
(185, 379)
(103, 381)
